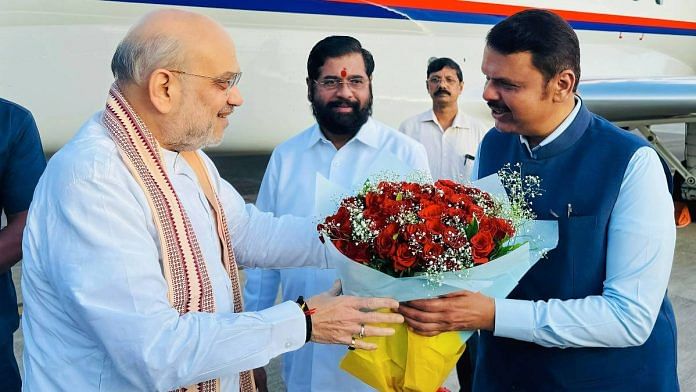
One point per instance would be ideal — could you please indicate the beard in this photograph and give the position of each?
(194, 128)
(192, 135)
(341, 123)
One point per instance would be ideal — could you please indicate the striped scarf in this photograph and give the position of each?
(189, 286)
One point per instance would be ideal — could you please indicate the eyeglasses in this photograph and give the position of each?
(331, 84)
(436, 80)
(225, 84)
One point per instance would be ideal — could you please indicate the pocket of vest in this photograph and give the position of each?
(586, 246)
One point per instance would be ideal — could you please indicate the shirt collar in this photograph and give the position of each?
(459, 121)
(172, 160)
(368, 134)
(556, 132)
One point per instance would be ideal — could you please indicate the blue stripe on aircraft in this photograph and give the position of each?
(323, 7)
(318, 7)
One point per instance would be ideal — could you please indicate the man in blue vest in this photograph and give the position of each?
(21, 164)
(593, 315)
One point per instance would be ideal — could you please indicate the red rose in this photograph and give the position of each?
(435, 225)
(385, 243)
(459, 198)
(357, 252)
(504, 228)
(454, 211)
(404, 258)
(473, 209)
(390, 206)
(497, 227)
(481, 246)
(391, 229)
(340, 245)
(373, 200)
(410, 232)
(446, 184)
(431, 250)
(339, 223)
(377, 216)
(430, 211)
(385, 246)
(413, 188)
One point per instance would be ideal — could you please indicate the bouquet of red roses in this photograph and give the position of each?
(409, 240)
(404, 228)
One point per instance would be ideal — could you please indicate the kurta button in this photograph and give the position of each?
(288, 344)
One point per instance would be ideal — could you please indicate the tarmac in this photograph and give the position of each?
(245, 173)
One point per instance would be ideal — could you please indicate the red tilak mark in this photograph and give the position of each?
(343, 73)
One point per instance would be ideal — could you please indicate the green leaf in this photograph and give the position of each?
(366, 187)
(509, 248)
(472, 228)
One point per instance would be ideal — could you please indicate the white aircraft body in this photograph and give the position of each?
(638, 59)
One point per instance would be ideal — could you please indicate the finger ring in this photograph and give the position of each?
(362, 331)
(352, 343)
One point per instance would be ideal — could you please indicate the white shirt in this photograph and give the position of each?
(288, 187)
(96, 314)
(640, 249)
(447, 149)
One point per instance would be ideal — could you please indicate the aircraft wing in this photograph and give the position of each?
(640, 103)
(628, 100)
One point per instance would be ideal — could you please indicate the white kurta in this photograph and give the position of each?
(96, 314)
(447, 149)
(288, 187)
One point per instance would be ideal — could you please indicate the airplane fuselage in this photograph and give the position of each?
(56, 55)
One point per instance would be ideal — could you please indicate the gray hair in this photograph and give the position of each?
(136, 57)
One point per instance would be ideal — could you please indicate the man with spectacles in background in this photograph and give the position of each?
(130, 281)
(342, 146)
(451, 139)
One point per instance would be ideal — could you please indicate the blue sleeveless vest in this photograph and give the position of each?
(583, 167)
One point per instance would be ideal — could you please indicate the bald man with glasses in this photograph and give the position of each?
(130, 280)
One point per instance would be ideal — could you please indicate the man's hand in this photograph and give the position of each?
(463, 310)
(340, 318)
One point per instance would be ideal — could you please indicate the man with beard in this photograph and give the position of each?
(594, 314)
(130, 280)
(450, 137)
(342, 147)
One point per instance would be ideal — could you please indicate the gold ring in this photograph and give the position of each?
(352, 343)
(362, 331)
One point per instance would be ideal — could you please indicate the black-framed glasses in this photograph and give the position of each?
(331, 84)
(436, 80)
(225, 84)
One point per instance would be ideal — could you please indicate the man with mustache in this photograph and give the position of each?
(450, 137)
(343, 146)
(594, 314)
(130, 280)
